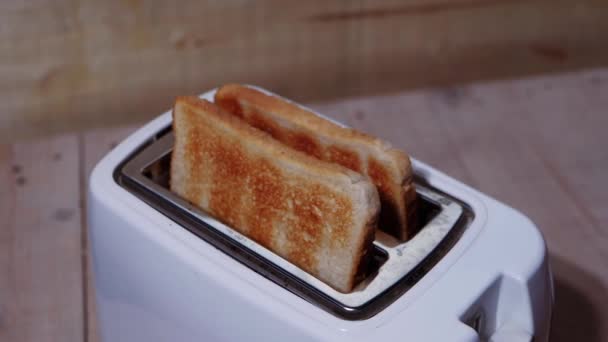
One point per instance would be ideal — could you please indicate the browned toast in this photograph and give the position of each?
(300, 128)
(319, 216)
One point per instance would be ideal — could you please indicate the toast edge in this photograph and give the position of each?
(398, 161)
(370, 207)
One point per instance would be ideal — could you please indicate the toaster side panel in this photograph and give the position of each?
(147, 292)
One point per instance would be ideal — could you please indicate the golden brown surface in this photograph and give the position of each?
(300, 207)
(392, 214)
(389, 168)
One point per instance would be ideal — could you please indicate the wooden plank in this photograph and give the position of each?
(40, 253)
(515, 138)
(81, 64)
(96, 145)
(574, 141)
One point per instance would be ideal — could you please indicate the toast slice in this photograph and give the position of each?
(319, 216)
(300, 128)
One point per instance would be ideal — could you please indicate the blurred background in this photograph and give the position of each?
(507, 96)
(69, 64)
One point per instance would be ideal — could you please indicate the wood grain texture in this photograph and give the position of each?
(41, 295)
(75, 64)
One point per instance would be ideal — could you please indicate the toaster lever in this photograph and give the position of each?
(500, 313)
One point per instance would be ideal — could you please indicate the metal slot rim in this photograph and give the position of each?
(402, 258)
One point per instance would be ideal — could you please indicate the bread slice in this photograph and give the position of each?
(319, 216)
(302, 129)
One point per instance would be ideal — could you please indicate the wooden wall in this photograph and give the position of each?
(70, 64)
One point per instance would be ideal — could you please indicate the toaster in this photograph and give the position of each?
(476, 270)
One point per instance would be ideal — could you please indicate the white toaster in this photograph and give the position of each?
(165, 271)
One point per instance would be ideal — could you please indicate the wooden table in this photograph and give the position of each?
(539, 145)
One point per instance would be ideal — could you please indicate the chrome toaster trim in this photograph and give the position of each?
(398, 266)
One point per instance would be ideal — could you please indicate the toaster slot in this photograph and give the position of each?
(159, 171)
(395, 267)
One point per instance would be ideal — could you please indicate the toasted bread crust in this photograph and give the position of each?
(389, 168)
(303, 209)
(365, 250)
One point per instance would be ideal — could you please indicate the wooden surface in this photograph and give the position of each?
(539, 145)
(40, 241)
(68, 64)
